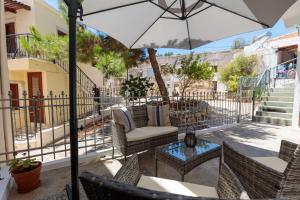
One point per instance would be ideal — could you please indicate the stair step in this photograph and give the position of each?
(280, 94)
(274, 114)
(279, 98)
(279, 104)
(273, 120)
(276, 109)
(288, 89)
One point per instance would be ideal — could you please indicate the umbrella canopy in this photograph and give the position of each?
(183, 24)
(292, 16)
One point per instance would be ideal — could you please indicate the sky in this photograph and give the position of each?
(220, 45)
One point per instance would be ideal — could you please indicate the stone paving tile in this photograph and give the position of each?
(251, 139)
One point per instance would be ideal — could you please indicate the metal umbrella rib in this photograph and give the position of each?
(233, 12)
(152, 24)
(164, 9)
(117, 7)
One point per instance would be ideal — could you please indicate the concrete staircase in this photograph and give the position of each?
(277, 107)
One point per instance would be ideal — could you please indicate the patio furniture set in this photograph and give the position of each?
(240, 177)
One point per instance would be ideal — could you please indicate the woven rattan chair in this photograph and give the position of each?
(140, 118)
(268, 177)
(123, 185)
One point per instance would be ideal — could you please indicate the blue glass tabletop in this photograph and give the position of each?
(180, 151)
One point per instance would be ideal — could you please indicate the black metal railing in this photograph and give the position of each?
(40, 125)
(15, 50)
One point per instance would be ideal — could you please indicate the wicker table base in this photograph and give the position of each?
(183, 159)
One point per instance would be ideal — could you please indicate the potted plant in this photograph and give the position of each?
(26, 174)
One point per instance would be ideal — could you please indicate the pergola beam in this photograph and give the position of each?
(13, 6)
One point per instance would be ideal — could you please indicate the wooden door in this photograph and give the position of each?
(11, 37)
(14, 88)
(35, 93)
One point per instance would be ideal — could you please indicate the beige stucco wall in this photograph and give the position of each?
(54, 78)
(93, 73)
(45, 18)
(57, 83)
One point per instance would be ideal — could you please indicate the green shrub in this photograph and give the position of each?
(239, 67)
(135, 88)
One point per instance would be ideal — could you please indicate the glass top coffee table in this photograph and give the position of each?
(183, 159)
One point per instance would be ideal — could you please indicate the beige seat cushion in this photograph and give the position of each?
(148, 132)
(272, 162)
(176, 187)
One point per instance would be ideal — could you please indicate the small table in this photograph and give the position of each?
(183, 159)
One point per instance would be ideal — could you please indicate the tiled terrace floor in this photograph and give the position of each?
(251, 139)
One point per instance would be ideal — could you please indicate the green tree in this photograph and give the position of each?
(135, 87)
(238, 44)
(191, 69)
(110, 63)
(240, 66)
(89, 45)
(169, 54)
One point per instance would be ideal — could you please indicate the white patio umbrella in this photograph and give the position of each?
(184, 24)
(292, 15)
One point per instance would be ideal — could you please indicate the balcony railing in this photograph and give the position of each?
(15, 50)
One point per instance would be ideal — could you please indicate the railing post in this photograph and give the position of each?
(239, 101)
(11, 108)
(26, 112)
(253, 104)
(52, 122)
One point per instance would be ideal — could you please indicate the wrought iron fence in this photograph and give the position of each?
(40, 126)
(15, 50)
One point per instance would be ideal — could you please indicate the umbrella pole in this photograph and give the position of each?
(72, 12)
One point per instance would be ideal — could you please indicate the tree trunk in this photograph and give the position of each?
(159, 80)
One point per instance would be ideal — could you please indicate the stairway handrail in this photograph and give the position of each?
(272, 68)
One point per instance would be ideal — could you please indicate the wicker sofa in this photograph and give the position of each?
(143, 137)
(129, 184)
(268, 177)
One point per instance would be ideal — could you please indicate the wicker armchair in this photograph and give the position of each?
(274, 178)
(140, 118)
(123, 186)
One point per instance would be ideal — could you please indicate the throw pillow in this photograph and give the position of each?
(158, 115)
(122, 116)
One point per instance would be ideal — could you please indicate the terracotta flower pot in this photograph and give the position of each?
(28, 181)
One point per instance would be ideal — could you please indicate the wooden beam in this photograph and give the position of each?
(13, 6)
(8, 9)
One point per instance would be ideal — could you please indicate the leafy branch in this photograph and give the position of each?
(189, 70)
